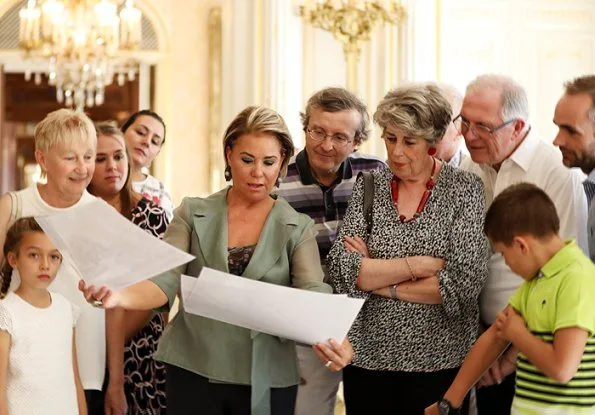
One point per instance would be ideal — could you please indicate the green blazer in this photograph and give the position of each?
(286, 254)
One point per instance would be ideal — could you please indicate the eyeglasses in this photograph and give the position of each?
(464, 126)
(318, 135)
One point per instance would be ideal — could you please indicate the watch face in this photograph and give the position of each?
(443, 407)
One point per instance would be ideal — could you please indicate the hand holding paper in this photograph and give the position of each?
(303, 316)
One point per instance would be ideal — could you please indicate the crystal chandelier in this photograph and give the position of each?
(84, 44)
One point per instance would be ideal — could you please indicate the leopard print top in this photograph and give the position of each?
(403, 336)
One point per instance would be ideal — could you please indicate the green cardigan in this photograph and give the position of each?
(286, 254)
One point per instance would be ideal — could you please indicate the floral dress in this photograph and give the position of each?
(144, 377)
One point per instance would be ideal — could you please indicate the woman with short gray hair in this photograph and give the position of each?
(420, 268)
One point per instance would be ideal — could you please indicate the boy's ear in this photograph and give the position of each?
(521, 242)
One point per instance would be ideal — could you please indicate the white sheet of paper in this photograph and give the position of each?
(304, 316)
(106, 249)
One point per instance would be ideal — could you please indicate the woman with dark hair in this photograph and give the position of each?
(145, 135)
(136, 382)
(214, 367)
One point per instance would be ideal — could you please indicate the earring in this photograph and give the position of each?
(432, 151)
(227, 173)
(278, 182)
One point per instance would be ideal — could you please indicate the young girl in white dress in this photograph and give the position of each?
(38, 365)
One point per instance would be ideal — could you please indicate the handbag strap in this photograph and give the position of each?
(368, 200)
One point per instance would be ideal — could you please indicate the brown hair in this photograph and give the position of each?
(335, 100)
(128, 197)
(583, 85)
(257, 119)
(419, 110)
(148, 113)
(521, 209)
(14, 236)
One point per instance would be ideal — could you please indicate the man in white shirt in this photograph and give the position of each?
(575, 118)
(505, 151)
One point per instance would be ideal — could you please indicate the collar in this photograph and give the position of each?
(305, 171)
(455, 161)
(525, 152)
(559, 261)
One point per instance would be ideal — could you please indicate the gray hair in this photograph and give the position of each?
(336, 99)
(452, 95)
(514, 97)
(419, 110)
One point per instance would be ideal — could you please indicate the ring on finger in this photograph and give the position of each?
(97, 303)
(328, 363)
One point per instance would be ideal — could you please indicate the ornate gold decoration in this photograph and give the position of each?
(351, 22)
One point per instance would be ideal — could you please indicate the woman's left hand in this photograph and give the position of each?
(356, 244)
(335, 357)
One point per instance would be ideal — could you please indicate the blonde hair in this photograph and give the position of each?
(258, 119)
(419, 110)
(64, 127)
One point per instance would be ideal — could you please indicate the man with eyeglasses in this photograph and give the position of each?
(575, 118)
(319, 183)
(504, 151)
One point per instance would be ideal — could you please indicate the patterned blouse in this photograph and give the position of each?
(144, 377)
(403, 336)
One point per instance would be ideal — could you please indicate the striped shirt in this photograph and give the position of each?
(326, 205)
(561, 296)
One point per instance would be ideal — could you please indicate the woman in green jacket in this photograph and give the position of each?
(214, 367)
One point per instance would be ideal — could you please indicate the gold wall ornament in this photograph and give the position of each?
(351, 22)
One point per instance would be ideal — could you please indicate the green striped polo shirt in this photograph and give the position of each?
(562, 295)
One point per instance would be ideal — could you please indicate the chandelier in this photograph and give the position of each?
(83, 44)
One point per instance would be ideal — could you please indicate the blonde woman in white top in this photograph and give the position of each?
(65, 146)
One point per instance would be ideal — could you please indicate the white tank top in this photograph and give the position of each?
(90, 328)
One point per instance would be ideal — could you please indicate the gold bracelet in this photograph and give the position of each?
(413, 276)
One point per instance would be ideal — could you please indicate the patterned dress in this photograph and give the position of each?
(144, 377)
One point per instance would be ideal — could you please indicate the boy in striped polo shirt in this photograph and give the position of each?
(550, 319)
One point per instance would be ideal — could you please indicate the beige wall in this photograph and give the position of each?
(182, 94)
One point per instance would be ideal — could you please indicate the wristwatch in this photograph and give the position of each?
(446, 408)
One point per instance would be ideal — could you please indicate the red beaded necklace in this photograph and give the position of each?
(394, 187)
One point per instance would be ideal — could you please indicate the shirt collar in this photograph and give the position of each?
(559, 261)
(524, 153)
(305, 171)
(455, 161)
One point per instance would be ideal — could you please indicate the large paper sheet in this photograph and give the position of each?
(106, 249)
(304, 316)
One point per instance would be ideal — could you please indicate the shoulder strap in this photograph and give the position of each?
(15, 209)
(368, 199)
